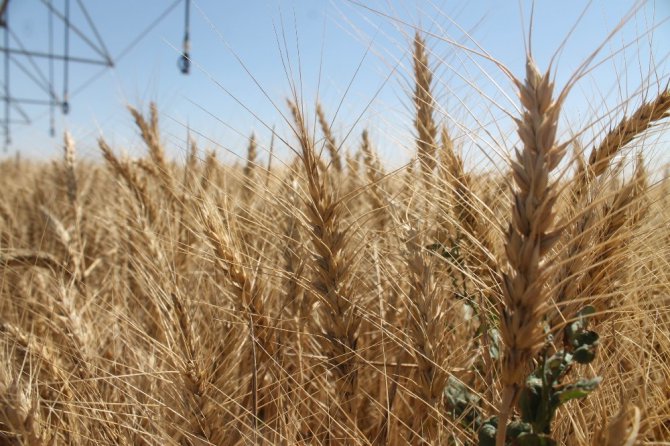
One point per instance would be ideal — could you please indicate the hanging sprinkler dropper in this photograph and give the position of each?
(184, 62)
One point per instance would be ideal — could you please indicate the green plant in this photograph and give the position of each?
(544, 392)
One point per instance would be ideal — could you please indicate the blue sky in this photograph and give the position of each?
(352, 55)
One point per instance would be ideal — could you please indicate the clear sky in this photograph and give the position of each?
(353, 55)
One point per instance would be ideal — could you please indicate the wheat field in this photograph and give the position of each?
(333, 300)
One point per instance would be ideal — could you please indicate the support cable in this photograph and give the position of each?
(40, 54)
(124, 52)
(147, 30)
(101, 42)
(30, 75)
(65, 17)
(16, 105)
(43, 81)
(29, 101)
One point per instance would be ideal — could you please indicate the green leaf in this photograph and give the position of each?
(530, 399)
(556, 366)
(461, 402)
(487, 435)
(585, 354)
(434, 247)
(583, 342)
(587, 311)
(579, 326)
(580, 389)
(458, 394)
(453, 255)
(494, 344)
(517, 428)
(587, 337)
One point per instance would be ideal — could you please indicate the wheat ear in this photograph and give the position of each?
(619, 223)
(530, 235)
(250, 170)
(629, 127)
(331, 144)
(134, 182)
(77, 247)
(425, 323)
(151, 135)
(340, 317)
(251, 294)
(424, 121)
(375, 174)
